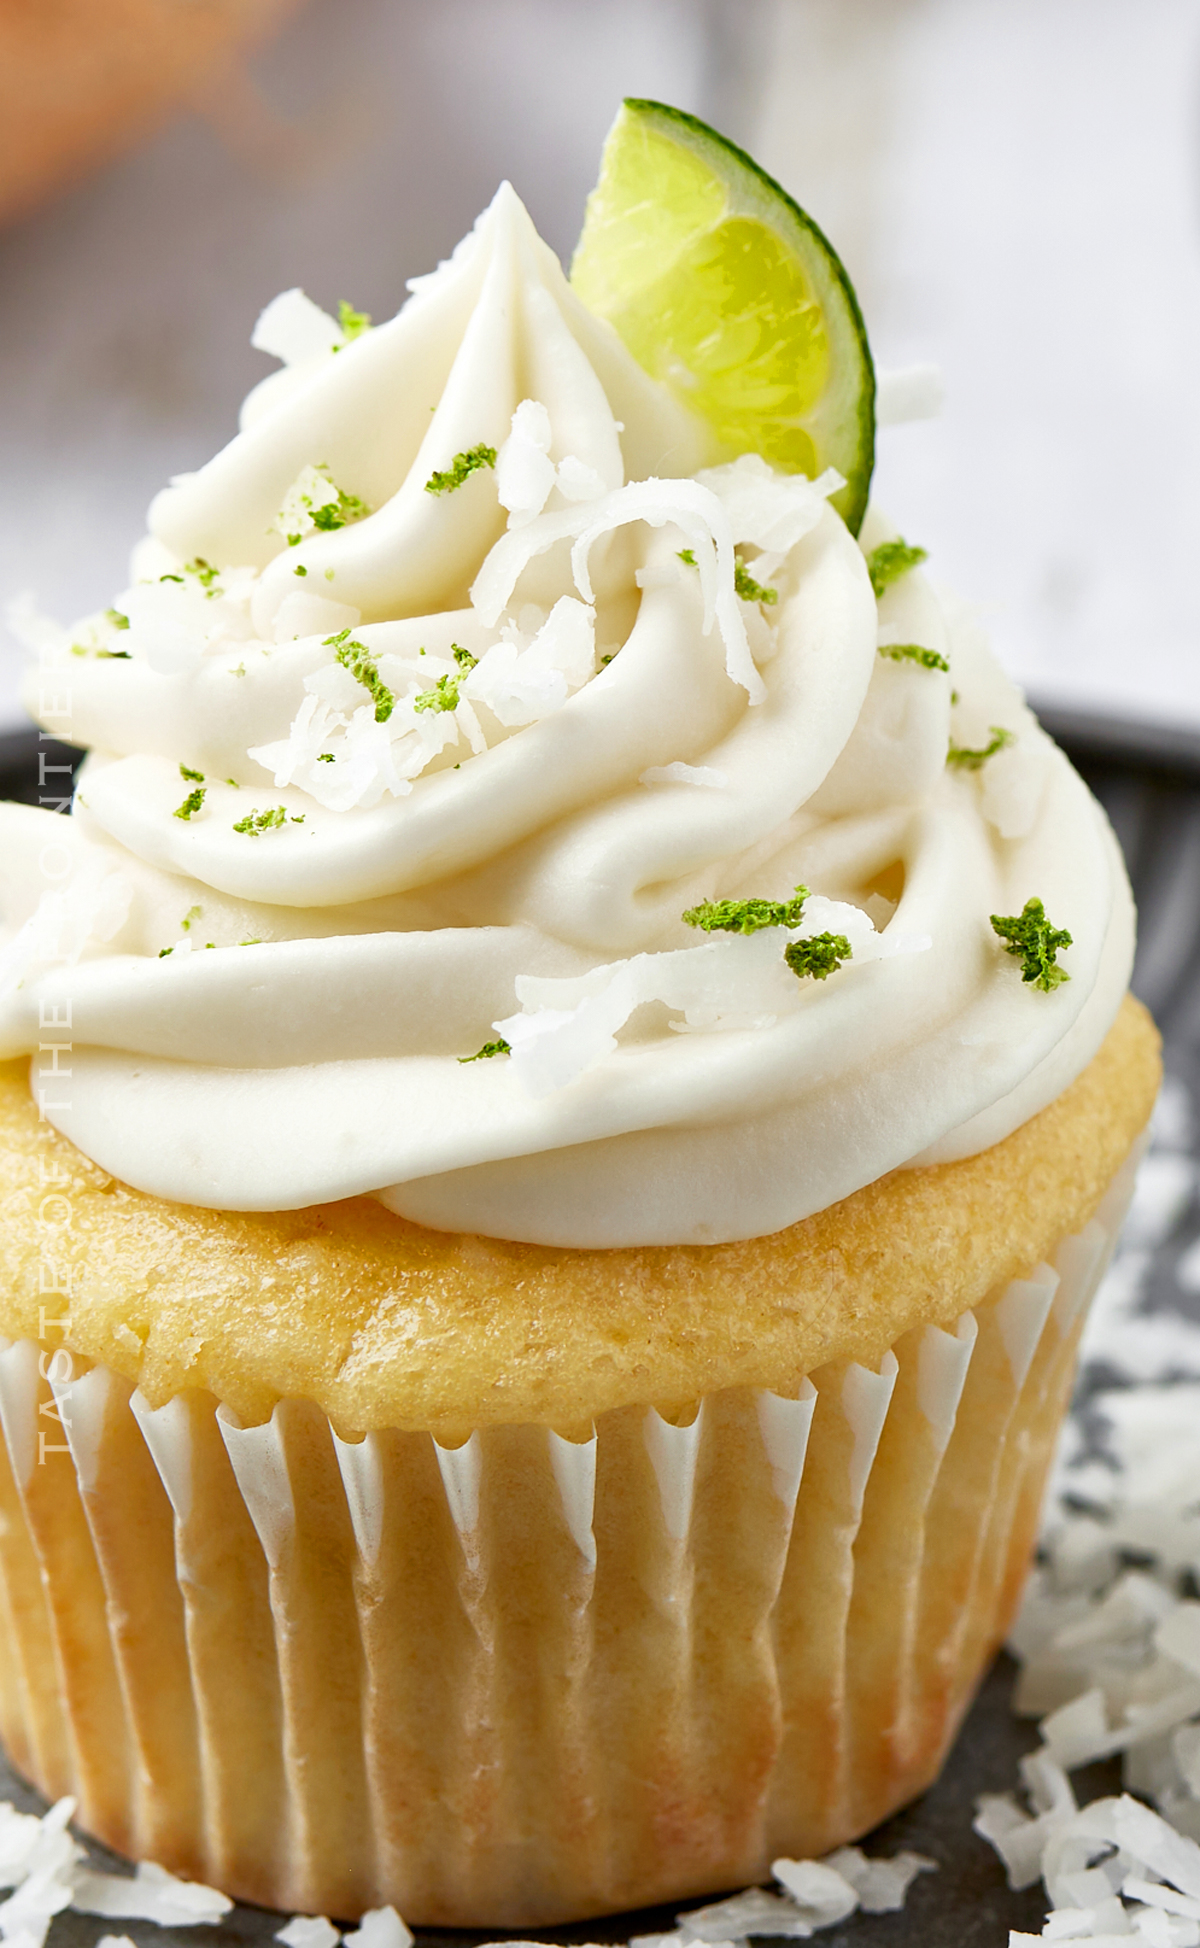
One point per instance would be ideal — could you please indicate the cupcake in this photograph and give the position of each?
(581, 1084)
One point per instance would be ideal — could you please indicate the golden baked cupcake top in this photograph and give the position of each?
(386, 1324)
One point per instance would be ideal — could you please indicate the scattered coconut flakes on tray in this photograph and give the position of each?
(48, 1871)
(815, 1894)
(1108, 1638)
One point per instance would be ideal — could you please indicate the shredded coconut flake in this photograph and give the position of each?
(19, 1834)
(524, 469)
(308, 1931)
(294, 329)
(521, 679)
(881, 1885)
(380, 1927)
(819, 1891)
(576, 481)
(754, 1912)
(769, 510)
(526, 476)
(686, 504)
(152, 1895)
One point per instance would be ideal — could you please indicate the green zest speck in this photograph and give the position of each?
(329, 515)
(968, 760)
(357, 658)
(256, 822)
(461, 468)
(489, 1049)
(928, 659)
(191, 804)
(352, 323)
(463, 657)
(193, 777)
(819, 956)
(743, 581)
(339, 513)
(747, 916)
(205, 574)
(193, 913)
(746, 586)
(890, 560)
(117, 620)
(1030, 936)
(443, 696)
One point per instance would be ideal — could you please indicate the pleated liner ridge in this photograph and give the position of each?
(524, 1680)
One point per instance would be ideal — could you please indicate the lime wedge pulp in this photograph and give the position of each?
(725, 291)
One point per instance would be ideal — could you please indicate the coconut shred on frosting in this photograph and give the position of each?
(432, 707)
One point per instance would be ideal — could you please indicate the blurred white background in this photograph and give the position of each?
(1012, 184)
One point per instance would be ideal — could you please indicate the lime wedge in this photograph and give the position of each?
(723, 289)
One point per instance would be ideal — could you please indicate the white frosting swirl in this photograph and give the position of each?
(458, 765)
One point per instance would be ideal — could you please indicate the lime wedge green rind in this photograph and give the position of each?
(729, 294)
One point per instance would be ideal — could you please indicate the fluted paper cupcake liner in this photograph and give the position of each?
(526, 1679)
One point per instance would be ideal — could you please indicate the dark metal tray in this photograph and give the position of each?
(1148, 779)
